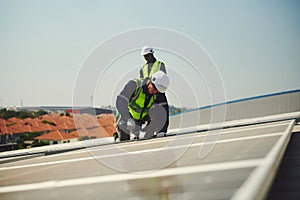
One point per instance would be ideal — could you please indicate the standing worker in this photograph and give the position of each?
(152, 65)
(137, 105)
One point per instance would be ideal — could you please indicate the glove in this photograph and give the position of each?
(130, 123)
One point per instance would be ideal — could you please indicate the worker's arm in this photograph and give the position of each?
(163, 68)
(141, 73)
(123, 99)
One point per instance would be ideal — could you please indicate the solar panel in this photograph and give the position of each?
(236, 166)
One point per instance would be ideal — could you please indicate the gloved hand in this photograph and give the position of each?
(130, 124)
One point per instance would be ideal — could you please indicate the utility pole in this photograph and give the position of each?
(91, 101)
(21, 102)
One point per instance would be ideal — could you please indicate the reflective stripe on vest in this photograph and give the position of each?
(136, 104)
(155, 67)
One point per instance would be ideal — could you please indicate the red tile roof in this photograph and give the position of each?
(55, 135)
(105, 122)
(3, 129)
(2, 121)
(97, 132)
(85, 121)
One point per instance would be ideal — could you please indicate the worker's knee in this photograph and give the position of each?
(157, 111)
(158, 115)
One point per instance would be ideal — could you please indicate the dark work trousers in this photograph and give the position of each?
(158, 119)
(162, 100)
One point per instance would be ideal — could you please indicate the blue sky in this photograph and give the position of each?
(254, 45)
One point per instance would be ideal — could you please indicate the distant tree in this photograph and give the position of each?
(174, 110)
(2, 112)
(41, 112)
(47, 122)
(6, 114)
(29, 136)
(84, 137)
(39, 143)
(21, 146)
(23, 114)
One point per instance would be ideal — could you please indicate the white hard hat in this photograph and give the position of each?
(161, 81)
(145, 50)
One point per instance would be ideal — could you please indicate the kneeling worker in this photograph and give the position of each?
(136, 105)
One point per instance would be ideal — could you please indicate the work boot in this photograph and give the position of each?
(133, 136)
(161, 134)
(116, 137)
(124, 136)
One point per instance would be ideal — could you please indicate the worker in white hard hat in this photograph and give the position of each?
(136, 105)
(151, 66)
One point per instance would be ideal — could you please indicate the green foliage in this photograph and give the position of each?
(10, 124)
(173, 110)
(84, 138)
(29, 136)
(65, 114)
(23, 114)
(40, 113)
(21, 146)
(47, 122)
(6, 114)
(26, 137)
(39, 143)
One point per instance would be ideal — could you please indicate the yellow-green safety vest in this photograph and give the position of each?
(155, 67)
(136, 105)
